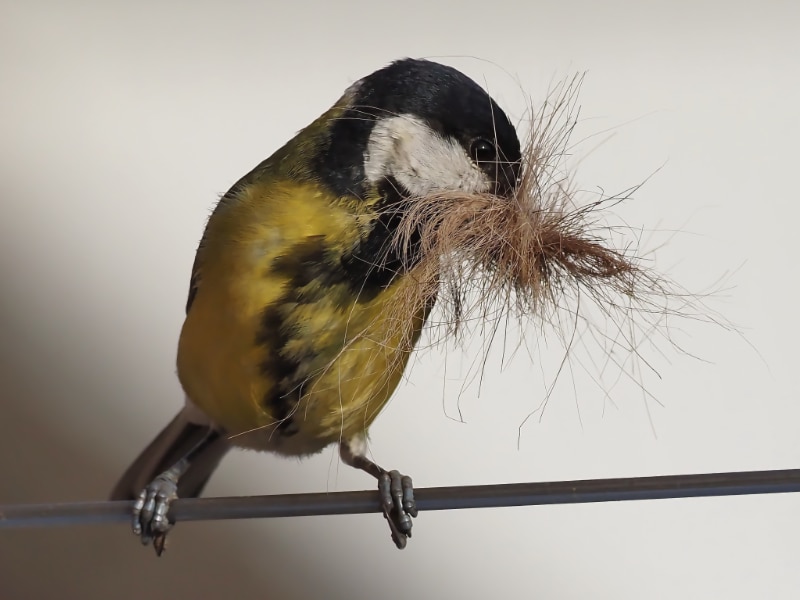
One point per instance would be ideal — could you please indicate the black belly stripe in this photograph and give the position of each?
(301, 264)
(375, 262)
(315, 273)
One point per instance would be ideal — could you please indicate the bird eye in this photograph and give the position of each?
(483, 150)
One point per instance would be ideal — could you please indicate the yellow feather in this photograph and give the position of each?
(349, 363)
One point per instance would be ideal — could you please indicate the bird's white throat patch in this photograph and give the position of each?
(421, 160)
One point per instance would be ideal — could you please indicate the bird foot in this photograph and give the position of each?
(397, 499)
(150, 521)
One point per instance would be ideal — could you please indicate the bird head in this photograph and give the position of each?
(409, 130)
(417, 127)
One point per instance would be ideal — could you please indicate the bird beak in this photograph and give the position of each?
(507, 178)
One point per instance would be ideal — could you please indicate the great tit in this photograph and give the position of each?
(295, 262)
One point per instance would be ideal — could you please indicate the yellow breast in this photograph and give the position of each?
(280, 348)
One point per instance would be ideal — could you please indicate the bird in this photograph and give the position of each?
(295, 259)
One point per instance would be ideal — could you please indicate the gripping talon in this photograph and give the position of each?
(396, 492)
(400, 539)
(159, 543)
(150, 521)
(138, 505)
(409, 504)
(397, 500)
(384, 489)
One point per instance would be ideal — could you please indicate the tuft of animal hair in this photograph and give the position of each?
(483, 257)
(538, 256)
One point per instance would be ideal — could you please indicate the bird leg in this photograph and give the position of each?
(150, 510)
(396, 490)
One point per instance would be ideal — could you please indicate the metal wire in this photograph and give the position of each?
(436, 498)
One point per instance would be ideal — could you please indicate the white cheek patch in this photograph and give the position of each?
(421, 160)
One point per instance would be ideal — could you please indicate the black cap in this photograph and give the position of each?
(447, 100)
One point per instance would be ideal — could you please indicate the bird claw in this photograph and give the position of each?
(150, 521)
(397, 500)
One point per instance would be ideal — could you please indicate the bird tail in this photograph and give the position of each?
(173, 443)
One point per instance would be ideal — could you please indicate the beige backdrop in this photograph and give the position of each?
(121, 124)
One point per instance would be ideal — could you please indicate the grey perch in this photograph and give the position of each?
(434, 498)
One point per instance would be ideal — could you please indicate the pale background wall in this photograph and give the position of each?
(121, 123)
